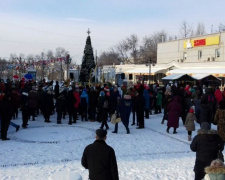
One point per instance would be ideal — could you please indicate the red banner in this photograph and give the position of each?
(200, 42)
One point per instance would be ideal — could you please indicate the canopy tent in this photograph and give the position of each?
(192, 71)
(178, 77)
(144, 71)
(208, 76)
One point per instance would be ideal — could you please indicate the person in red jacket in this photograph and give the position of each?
(76, 104)
(218, 95)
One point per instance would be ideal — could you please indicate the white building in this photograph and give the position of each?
(196, 55)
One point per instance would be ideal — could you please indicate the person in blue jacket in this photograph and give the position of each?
(124, 110)
(147, 99)
(84, 104)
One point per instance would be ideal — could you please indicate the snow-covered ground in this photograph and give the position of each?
(53, 152)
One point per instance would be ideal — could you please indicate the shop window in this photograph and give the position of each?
(217, 53)
(199, 54)
(130, 76)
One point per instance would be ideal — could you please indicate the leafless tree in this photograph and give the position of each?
(149, 46)
(122, 49)
(185, 29)
(60, 52)
(221, 27)
(200, 29)
(110, 57)
(132, 44)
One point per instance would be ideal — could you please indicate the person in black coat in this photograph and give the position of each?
(100, 159)
(6, 113)
(47, 105)
(60, 104)
(203, 113)
(93, 101)
(70, 101)
(206, 145)
(139, 107)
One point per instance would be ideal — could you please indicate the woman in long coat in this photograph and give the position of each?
(174, 112)
(219, 119)
(147, 99)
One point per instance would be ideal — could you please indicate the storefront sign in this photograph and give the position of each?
(191, 43)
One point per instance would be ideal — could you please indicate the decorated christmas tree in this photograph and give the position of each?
(88, 63)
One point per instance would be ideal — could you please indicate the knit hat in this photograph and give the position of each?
(102, 93)
(205, 126)
(101, 133)
(106, 88)
(191, 110)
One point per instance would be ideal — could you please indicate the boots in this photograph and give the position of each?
(189, 138)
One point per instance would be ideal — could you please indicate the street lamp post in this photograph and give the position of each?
(78, 73)
(150, 62)
(68, 61)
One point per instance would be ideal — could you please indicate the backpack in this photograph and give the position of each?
(105, 104)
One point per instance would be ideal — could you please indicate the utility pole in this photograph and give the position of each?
(96, 67)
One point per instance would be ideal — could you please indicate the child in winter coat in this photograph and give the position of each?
(216, 171)
(189, 123)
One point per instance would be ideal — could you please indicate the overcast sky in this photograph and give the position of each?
(35, 26)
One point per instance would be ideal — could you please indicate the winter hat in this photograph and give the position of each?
(191, 110)
(25, 93)
(102, 93)
(106, 88)
(127, 96)
(101, 133)
(205, 126)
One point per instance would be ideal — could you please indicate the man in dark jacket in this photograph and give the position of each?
(206, 145)
(100, 159)
(140, 107)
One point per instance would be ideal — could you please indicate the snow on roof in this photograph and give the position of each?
(198, 71)
(174, 76)
(143, 70)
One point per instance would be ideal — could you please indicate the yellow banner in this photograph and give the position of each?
(191, 43)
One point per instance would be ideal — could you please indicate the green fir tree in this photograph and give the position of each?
(88, 63)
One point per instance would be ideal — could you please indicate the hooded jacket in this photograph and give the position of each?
(214, 173)
(206, 145)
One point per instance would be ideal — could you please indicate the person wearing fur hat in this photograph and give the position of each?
(189, 123)
(216, 170)
(219, 119)
(206, 145)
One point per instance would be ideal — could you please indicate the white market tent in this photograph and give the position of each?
(217, 72)
(180, 76)
(202, 76)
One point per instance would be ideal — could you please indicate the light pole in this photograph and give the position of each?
(78, 72)
(68, 61)
(150, 62)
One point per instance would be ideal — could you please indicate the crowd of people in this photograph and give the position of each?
(193, 104)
